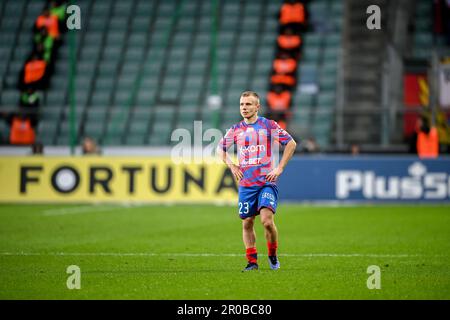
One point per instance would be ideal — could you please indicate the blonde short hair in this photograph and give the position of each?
(251, 94)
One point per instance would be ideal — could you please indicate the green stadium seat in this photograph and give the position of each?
(423, 24)
(424, 8)
(131, 68)
(15, 67)
(104, 83)
(122, 98)
(101, 98)
(194, 83)
(203, 39)
(225, 39)
(115, 128)
(312, 39)
(422, 53)
(93, 39)
(144, 7)
(175, 69)
(115, 38)
(302, 119)
(51, 113)
(142, 112)
(66, 113)
(55, 98)
(134, 54)
(10, 97)
(164, 114)
(107, 69)
(81, 97)
(423, 39)
(96, 114)
(64, 133)
(331, 54)
(126, 82)
(82, 82)
(94, 130)
(200, 54)
(307, 73)
(332, 40)
(35, 7)
(186, 24)
(311, 54)
(302, 100)
(145, 95)
(231, 116)
(135, 139)
(10, 23)
(325, 99)
(137, 39)
(161, 134)
(337, 8)
(328, 82)
(323, 117)
(48, 126)
(112, 140)
(112, 52)
(139, 127)
(184, 124)
(46, 138)
(186, 118)
(14, 7)
(329, 67)
(197, 68)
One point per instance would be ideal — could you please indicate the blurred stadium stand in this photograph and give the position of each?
(315, 100)
(124, 44)
(144, 68)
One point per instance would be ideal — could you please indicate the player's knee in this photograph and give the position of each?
(268, 223)
(248, 223)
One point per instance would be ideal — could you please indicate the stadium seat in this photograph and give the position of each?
(94, 130)
(127, 66)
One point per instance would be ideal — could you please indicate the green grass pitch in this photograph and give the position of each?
(196, 252)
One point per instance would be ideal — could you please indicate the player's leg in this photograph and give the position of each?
(249, 237)
(271, 234)
(270, 229)
(248, 232)
(267, 205)
(247, 212)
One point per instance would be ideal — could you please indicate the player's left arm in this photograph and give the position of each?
(288, 152)
(283, 137)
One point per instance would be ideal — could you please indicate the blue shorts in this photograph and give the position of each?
(253, 199)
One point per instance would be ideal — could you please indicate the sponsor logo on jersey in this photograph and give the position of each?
(253, 161)
(252, 148)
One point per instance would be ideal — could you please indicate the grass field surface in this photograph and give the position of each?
(196, 252)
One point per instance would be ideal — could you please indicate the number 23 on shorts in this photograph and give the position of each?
(243, 207)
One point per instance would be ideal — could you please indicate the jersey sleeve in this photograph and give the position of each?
(280, 135)
(228, 139)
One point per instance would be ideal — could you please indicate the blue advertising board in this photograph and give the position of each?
(366, 179)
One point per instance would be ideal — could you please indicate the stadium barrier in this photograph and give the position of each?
(113, 179)
(159, 180)
(366, 179)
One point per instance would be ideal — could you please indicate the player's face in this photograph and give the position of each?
(249, 107)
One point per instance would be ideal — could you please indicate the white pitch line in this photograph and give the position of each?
(153, 254)
(87, 209)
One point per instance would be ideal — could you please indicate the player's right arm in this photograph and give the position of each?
(222, 150)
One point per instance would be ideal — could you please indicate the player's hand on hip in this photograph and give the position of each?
(236, 170)
(273, 175)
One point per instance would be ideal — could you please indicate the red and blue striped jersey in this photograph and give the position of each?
(257, 148)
